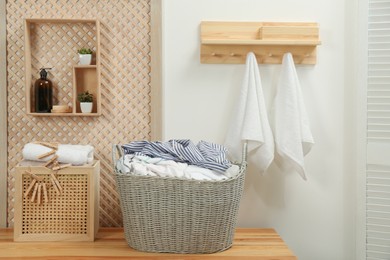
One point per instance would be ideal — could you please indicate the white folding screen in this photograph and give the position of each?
(378, 132)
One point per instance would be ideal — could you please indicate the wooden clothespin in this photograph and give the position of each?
(47, 154)
(52, 160)
(34, 192)
(55, 187)
(35, 178)
(50, 145)
(56, 183)
(39, 194)
(59, 167)
(30, 187)
(38, 178)
(45, 192)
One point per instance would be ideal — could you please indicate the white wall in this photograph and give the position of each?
(310, 216)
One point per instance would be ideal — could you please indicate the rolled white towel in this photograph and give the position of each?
(33, 151)
(73, 154)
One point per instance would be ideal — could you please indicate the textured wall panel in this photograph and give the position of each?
(125, 87)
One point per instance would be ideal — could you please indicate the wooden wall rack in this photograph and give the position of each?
(57, 43)
(230, 42)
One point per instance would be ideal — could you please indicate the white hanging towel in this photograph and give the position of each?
(250, 121)
(293, 138)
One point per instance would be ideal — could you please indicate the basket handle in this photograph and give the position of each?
(116, 149)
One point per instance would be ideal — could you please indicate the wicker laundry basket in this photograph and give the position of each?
(174, 215)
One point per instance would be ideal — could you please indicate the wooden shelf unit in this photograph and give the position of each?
(230, 42)
(57, 47)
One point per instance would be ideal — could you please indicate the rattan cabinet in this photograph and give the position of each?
(71, 214)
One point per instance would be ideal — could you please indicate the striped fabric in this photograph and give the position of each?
(204, 154)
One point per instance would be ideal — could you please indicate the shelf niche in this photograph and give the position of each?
(54, 43)
(85, 79)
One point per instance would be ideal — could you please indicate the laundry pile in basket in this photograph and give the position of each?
(177, 158)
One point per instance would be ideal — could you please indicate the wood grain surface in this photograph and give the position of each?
(263, 244)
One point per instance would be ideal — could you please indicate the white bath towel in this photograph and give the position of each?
(293, 137)
(250, 121)
(32, 151)
(73, 154)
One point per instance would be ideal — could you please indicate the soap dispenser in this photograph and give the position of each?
(43, 93)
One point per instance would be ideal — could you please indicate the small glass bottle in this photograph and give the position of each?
(43, 93)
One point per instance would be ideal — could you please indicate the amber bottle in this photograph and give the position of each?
(43, 93)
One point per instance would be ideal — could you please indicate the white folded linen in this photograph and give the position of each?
(293, 137)
(250, 121)
(147, 166)
(73, 154)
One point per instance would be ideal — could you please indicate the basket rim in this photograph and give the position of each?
(116, 148)
(241, 172)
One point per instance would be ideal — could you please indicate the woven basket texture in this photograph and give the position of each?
(124, 74)
(179, 216)
(64, 214)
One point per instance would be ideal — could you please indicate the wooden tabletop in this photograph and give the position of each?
(263, 244)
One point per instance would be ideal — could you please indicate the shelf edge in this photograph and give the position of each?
(261, 42)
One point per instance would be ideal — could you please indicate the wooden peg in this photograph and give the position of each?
(57, 183)
(39, 194)
(30, 187)
(47, 154)
(232, 54)
(56, 164)
(55, 157)
(59, 167)
(34, 192)
(38, 178)
(50, 145)
(55, 187)
(213, 54)
(45, 192)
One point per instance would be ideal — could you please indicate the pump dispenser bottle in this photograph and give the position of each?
(43, 93)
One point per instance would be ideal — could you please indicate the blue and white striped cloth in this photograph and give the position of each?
(205, 154)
